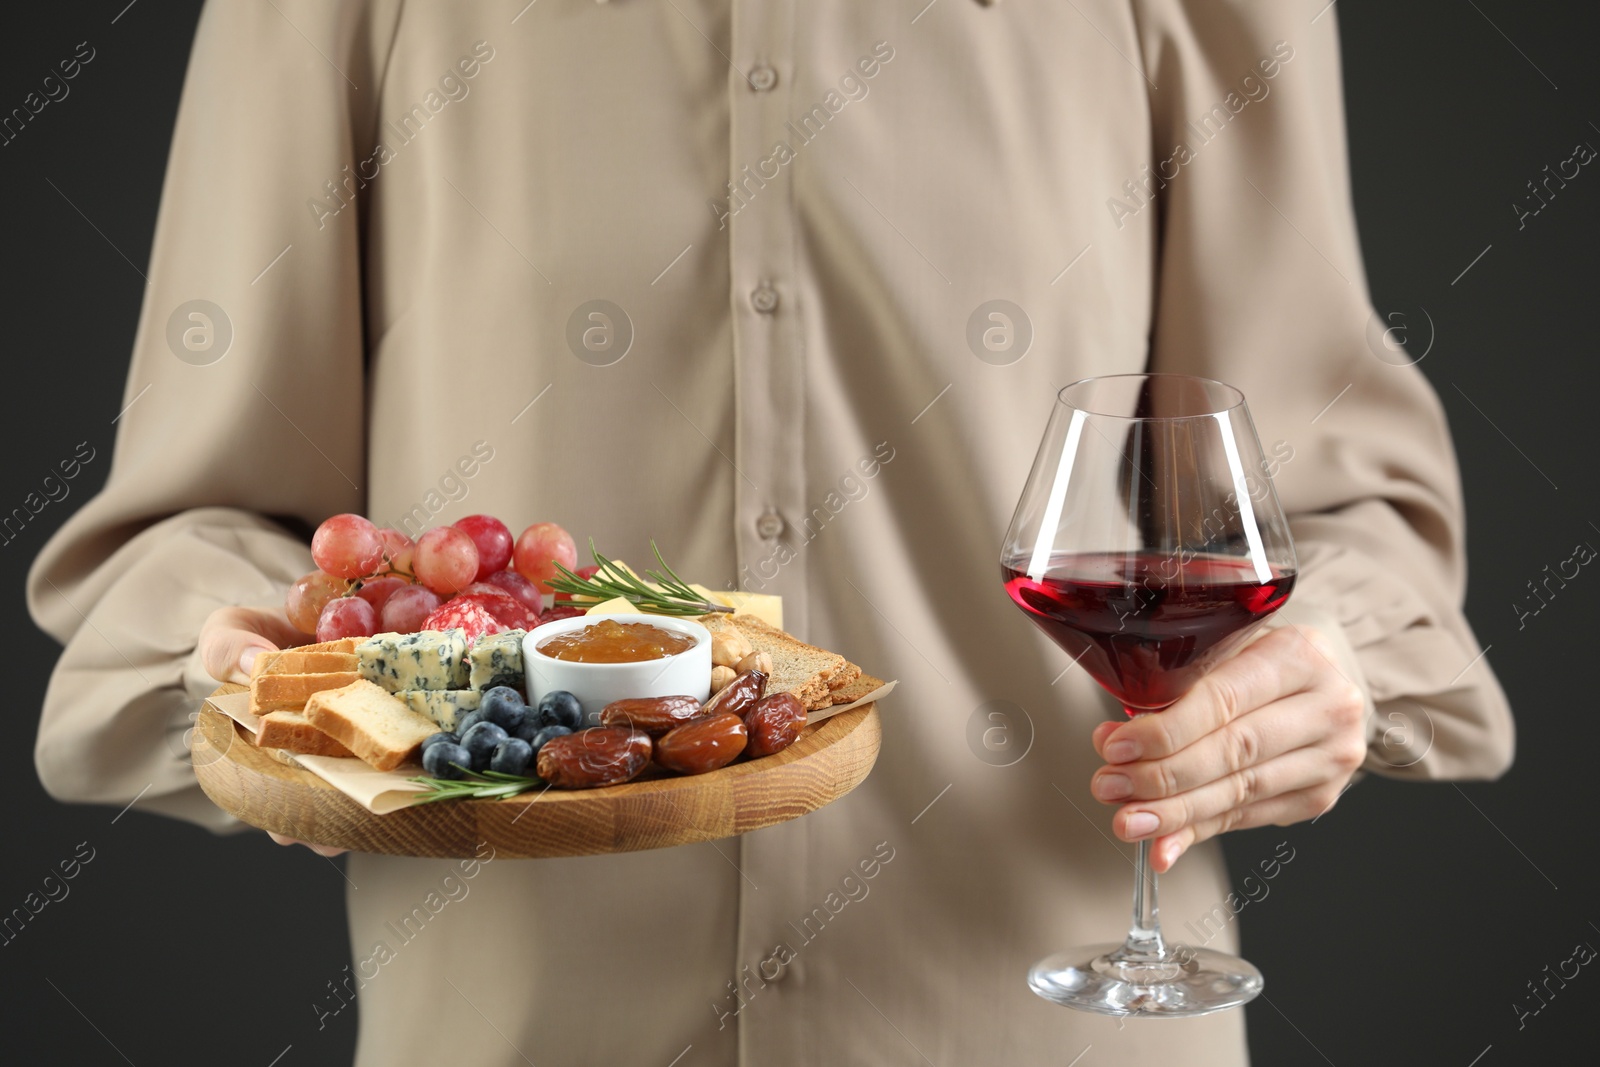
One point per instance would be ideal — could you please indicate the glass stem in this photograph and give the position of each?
(1144, 936)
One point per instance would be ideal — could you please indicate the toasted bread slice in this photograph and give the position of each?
(863, 684)
(797, 667)
(293, 732)
(299, 661)
(346, 645)
(843, 676)
(805, 670)
(289, 692)
(371, 722)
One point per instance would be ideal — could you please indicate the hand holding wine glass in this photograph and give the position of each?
(1149, 544)
(1269, 737)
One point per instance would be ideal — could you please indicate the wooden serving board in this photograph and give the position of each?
(830, 759)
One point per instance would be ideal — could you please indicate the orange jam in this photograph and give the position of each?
(609, 641)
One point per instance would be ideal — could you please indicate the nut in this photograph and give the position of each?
(774, 724)
(728, 647)
(702, 745)
(739, 695)
(720, 677)
(604, 755)
(654, 715)
(755, 661)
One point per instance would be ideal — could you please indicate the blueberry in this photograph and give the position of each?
(471, 719)
(443, 737)
(480, 743)
(511, 756)
(546, 733)
(560, 708)
(445, 760)
(504, 707)
(530, 726)
(503, 692)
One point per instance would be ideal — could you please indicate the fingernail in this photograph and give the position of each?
(1172, 854)
(1113, 786)
(1140, 824)
(1122, 751)
(247, 659)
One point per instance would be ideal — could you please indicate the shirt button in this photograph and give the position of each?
(774, 962)
(763, 78)
(769, 526)
(764, 298)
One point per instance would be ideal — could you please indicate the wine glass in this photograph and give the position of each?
(1148, 544)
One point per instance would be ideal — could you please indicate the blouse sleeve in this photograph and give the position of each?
(243, 418)
(1260, 284)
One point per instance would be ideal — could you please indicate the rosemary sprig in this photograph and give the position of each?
(479, 785)
(664, 594)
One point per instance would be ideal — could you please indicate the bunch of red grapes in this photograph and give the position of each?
(471, 575)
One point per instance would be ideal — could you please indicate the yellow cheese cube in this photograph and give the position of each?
(618, 605)
(764, 606)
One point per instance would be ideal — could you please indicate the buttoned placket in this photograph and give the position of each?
(770, 454)
(770, 383)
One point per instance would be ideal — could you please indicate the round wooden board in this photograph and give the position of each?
(831, 758)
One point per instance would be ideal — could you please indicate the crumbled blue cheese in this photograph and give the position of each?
(432, 659)
(497, 660)
(444, 706)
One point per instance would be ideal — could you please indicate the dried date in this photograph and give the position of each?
(739, 695)
(702, 745)
(654, 715)
(774, 724)
(604, 755)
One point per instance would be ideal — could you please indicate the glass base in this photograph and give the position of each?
(1105, 980)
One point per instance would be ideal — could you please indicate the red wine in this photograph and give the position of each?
(1146, 625)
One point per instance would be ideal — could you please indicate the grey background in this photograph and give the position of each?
(1410, 920)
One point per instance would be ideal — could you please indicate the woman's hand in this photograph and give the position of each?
(231, 639)
(1270, 736)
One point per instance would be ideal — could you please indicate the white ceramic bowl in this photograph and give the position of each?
(598, 684)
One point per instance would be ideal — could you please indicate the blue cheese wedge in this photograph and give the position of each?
(444, 706)
(497, 660)
(432, 659)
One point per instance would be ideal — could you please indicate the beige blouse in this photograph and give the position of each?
(787, 287)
